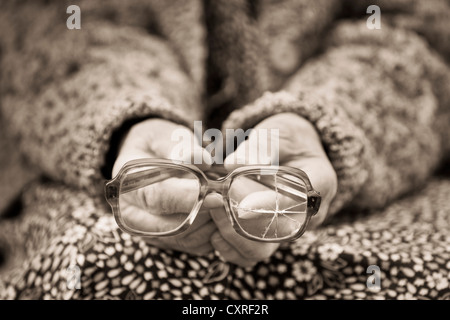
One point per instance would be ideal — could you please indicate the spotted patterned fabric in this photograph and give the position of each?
(71, 234)
(379, 100)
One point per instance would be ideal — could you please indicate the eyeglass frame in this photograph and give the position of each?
(220, 185)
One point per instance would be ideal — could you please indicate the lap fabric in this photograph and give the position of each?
(71, 234)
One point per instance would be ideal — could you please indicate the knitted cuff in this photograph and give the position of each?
(78, 157)
(342, 140)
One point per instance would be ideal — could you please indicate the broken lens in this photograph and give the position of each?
(269, 206)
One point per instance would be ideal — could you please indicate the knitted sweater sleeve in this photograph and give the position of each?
(65, 92)
(380, 100)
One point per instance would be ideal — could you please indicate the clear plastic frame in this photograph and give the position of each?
(262, 203)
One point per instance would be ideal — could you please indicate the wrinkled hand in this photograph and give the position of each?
(153, 139)
(299, 147)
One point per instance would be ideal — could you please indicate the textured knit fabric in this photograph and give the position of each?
(379, 99)
(377, 105)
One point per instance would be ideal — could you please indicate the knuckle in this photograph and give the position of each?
(203, 250)
(253, 255)
(224, 248)
(182, 244)
(257, 253)
(193, 240)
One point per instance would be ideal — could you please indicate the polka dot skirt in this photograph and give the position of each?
(66, 245)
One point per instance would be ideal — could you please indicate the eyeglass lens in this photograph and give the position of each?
(157, 199)
(269, 206)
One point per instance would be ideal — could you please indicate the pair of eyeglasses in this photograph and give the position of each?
(160, 197)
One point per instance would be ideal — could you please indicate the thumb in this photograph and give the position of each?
(158, 138)
(184, 146)
(270, 214)
(323, 179)
(161, 206)
(172, 195)
(264, 203)
(261, 147)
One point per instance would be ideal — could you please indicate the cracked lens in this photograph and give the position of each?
(269, 207)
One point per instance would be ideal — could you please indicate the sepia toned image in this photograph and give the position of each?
(238, 150)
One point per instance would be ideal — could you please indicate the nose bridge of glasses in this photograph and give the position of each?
(216, 186)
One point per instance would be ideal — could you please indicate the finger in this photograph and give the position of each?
(127, 154)
(323, 179)
(249, 249)
(265, 212)
(228, 252)
(188, 157)
(268, 214)
(140, 220)
(190, 241)
(164, 139)
(242, 186)
(261, 147)
(194, 241)
(171, 195)
(158, 138)
(159, 207)
(203, 217)
(255, 204)
(184, 146)
(275, 140)
(296, 136)
(213, 200)
(202, 250)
